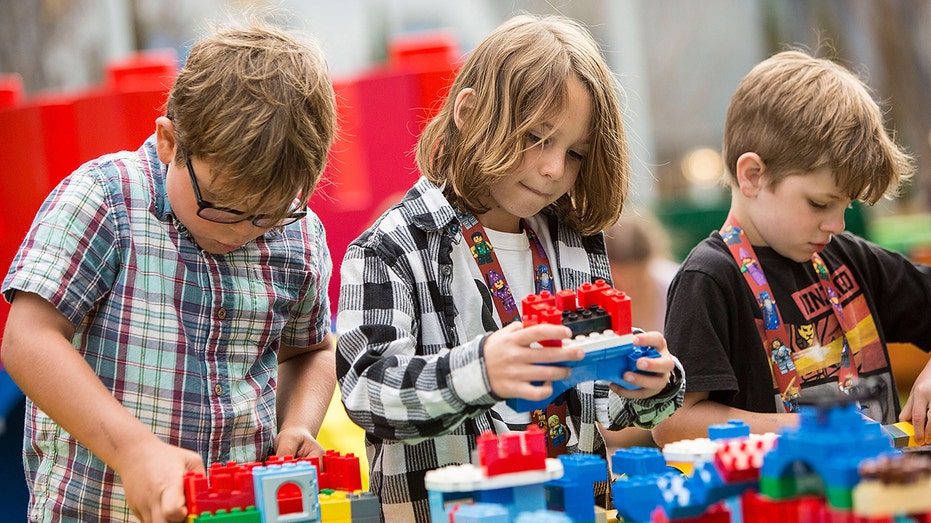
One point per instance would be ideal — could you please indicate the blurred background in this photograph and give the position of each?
(678, 61)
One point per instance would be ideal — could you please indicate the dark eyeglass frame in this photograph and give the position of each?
(236, 216)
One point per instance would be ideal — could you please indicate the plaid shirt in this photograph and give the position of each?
(187, 341)
(413, 315)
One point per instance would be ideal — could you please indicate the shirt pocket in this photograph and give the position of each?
(267, 298)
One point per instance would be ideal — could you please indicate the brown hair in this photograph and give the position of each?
(520, 74)
(801, 113)
(257, 104)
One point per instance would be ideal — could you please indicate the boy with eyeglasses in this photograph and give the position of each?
(169, 305)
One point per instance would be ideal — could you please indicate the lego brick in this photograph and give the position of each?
(543, 516)
(224, 487)
(236, 515)
(364, 506)
(301, 505)
(638, 461)
(334, 505)
(734, 428)
(739, 460)
(607, 357)
(902, 434)
(512, 452)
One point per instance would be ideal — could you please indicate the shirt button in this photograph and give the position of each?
(447, 270)
(221, 313)
(219, 390)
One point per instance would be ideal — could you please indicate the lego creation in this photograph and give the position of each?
(599, 317)
(515, 481)
(283, 489)
(836, 466)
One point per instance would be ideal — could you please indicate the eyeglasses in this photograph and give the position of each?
(210, 212)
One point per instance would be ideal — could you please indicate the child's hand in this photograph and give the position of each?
(513, 365)
(660, 367)
(917, 409)
(297, 442)
(154, 480)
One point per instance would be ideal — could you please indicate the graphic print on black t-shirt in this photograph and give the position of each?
(816, 346)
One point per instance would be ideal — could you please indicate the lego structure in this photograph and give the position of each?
(283, 489)
(836, 466)
(515, 481)
(599, 317)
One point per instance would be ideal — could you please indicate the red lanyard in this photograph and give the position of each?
(552, 418)
(484, 254)
(776, 336)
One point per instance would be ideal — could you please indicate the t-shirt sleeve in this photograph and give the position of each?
(697, 327)
(899, 287)
(70, 255)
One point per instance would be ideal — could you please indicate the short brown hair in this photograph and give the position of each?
(257, 103)
(800, 113)
(520, 74)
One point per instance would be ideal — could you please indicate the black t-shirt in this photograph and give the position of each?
(713, 321)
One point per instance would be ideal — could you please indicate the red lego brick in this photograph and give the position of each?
(513, 452)
(339, 472)
(565, 300)
(223, 487)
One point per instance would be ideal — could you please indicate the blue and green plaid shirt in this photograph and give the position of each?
(187, 341)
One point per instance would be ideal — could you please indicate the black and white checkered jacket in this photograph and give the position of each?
(413, 315)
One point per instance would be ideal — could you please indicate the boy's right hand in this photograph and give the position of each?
(516, 370)
(154, 480)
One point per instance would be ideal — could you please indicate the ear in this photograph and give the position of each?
(166, 145)
(465, 103)
(750, 168)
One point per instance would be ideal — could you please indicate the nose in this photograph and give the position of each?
(553, 163)
(834, 223)
(243, 231)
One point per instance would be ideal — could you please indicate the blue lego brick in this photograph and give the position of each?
(543, 516)
(636, 497)
(581, 472)
(607, 358)
(480, 513)
(734, 428)
(637, 461)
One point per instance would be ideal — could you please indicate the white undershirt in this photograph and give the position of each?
(513, 251)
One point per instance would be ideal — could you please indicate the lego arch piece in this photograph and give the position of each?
(275, 493)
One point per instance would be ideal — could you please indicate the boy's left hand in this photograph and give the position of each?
(659, 367)
(297, 442)
(917, 409)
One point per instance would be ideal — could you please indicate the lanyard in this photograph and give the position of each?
(776, 335)
(552, 418)
(486, 259)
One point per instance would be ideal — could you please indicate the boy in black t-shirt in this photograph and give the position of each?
(781, 302)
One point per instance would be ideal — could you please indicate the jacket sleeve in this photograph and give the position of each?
(391, 384)
(645, 413)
